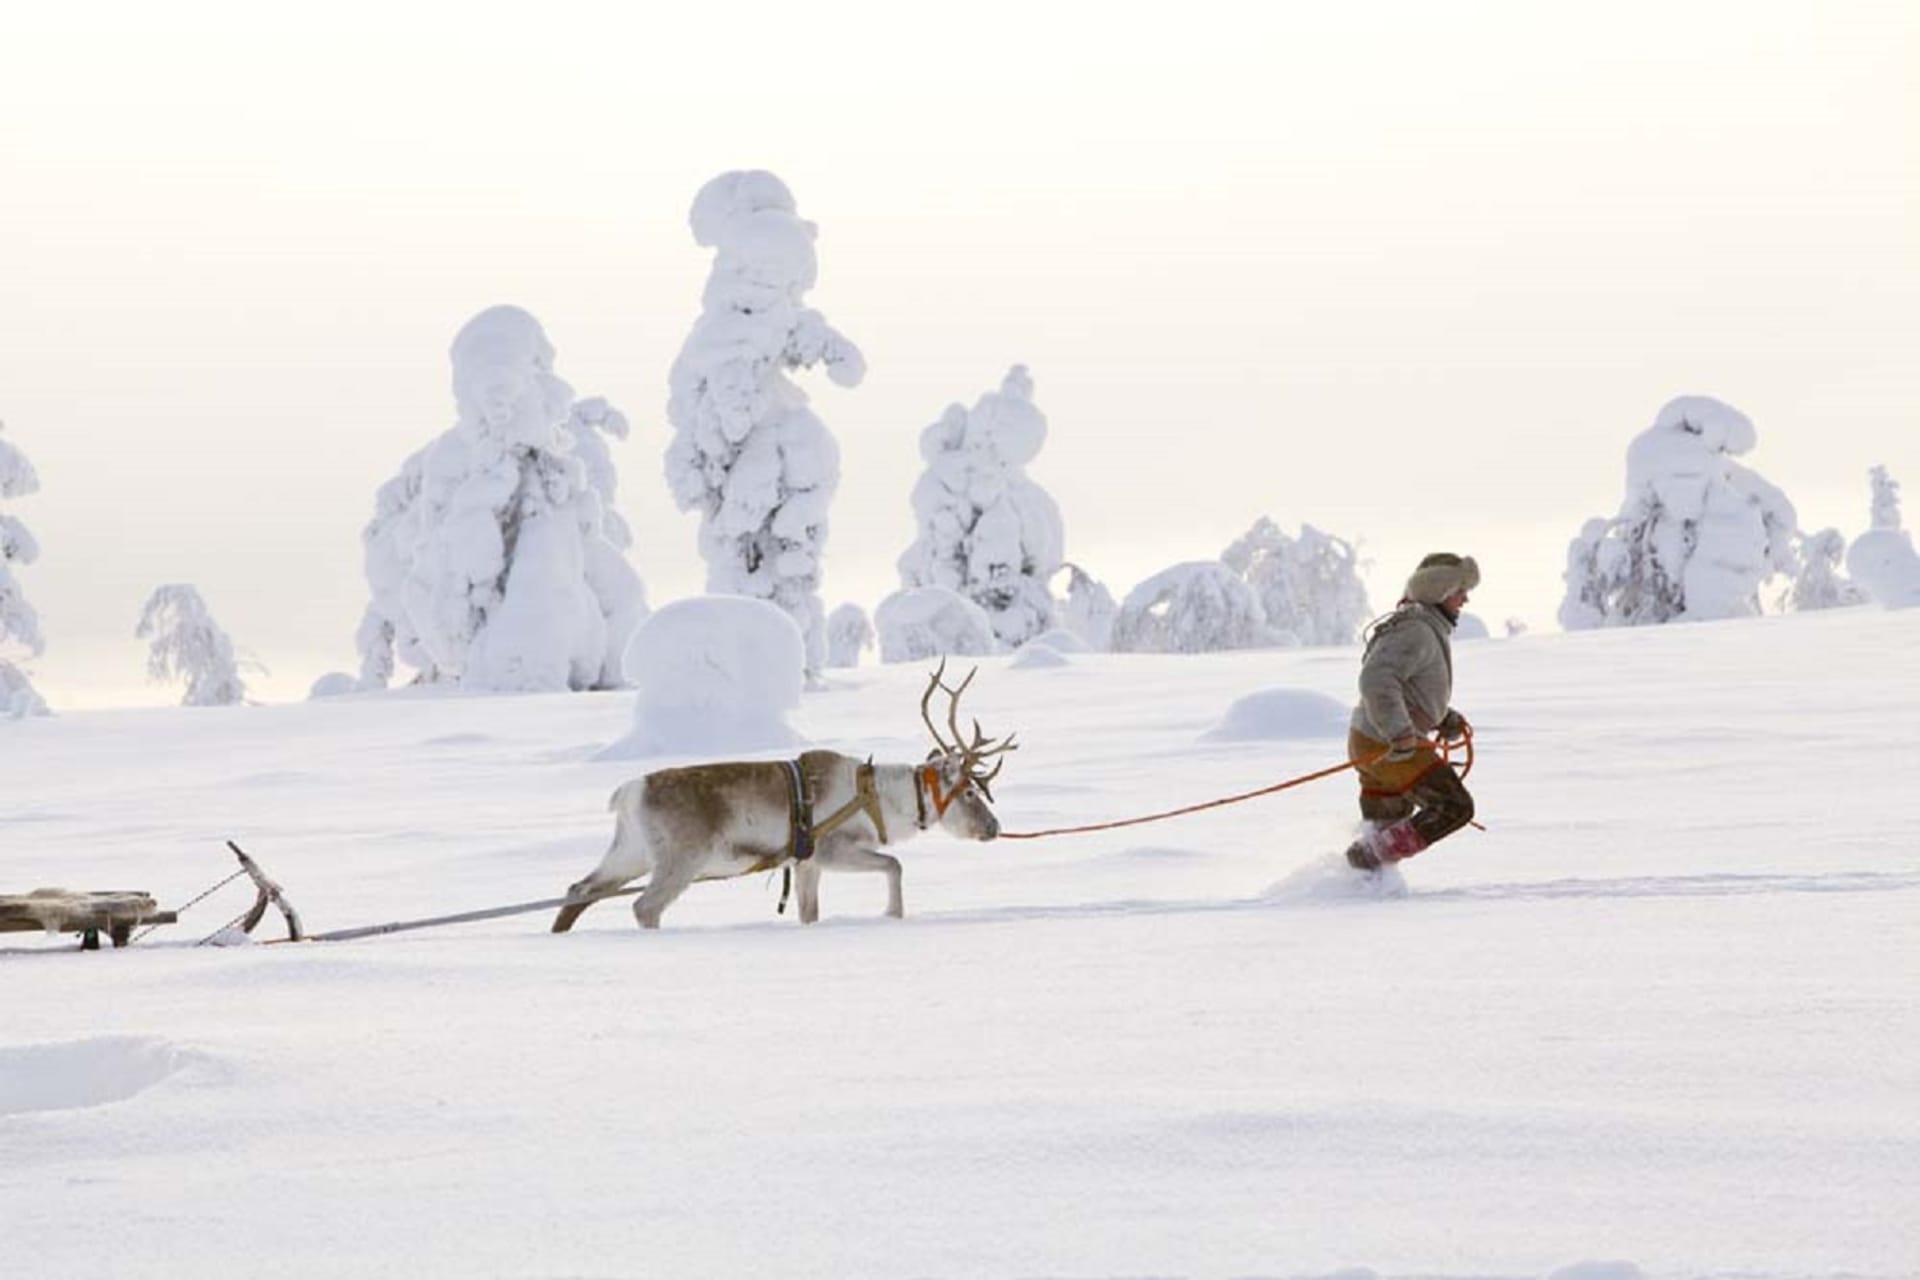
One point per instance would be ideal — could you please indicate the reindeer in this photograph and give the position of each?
(717, 821)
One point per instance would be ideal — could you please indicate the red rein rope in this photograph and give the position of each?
(1446, 757)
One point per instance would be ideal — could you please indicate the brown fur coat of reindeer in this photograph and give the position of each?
(717, 821)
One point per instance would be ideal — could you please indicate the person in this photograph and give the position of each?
(1409, 797)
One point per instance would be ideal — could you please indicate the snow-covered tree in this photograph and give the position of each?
(1196, 607)
(1882, 560)
(985, 529)
(747, 453)
(187, 644)
(1089, 609)
(387, 555)
(19, 623)
(18, 698)
(1697, 534)
(1820, 584)
(1588, 580)
(1309, 587)
(932, 622)
(848, 635)
(488, 555)
(587, 423)
(1885, 512)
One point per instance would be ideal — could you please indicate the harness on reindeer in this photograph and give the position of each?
(806, 832)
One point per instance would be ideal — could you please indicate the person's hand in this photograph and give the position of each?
(1453, 726)
(1404, 748)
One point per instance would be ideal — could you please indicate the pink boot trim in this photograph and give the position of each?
(1394, 843)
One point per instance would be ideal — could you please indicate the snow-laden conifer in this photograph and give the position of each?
(986, 530)
(1820, 584)
(1196, 607)
(1089, 608)
(488, 556)
(20, 634)
(747, 453)
(386, 632)
(589, 423)
(1696, 535)
(1882, 560)
(1309, 587)
(1884, 513)
(1592, 565)
(187, 644)
(849, 634)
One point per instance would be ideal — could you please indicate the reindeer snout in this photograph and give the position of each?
(992, 828)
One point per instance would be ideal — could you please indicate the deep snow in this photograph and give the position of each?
(1661, 1012)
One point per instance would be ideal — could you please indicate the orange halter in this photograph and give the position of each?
(930, 779)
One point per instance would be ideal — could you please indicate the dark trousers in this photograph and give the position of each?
(1438, 801)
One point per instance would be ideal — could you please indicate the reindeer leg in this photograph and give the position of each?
(806, 878)
(592, 890)
(855, 858)
(670, 880)
(625, 860)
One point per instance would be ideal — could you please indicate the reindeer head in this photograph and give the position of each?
(959, 792)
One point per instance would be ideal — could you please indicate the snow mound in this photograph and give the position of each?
(714, 674)
(1329, 879)
(1884, 562)
(1034, 656)
(83, 1073)
(1278, 714)
(1599, 1271)
(1061, 640)
(334, 684)
(932, 622)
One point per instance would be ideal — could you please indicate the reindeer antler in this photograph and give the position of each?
(973, 753)
(925, 698)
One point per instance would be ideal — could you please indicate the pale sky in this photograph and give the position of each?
(1414, 273)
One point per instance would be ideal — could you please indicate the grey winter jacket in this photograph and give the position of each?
(1406, 678)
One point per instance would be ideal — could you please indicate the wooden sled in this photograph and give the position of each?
(116, 913)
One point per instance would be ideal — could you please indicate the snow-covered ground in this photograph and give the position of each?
(1660, 1018)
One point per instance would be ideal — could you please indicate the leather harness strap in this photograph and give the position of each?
(800, 813)
(807, 832)
(866, 797)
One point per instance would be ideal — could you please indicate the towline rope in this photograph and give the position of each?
(1445, 750)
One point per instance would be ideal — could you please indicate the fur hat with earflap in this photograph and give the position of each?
(1441, 575)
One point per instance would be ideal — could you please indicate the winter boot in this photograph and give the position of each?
(1394, 843)
(1379, 845)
